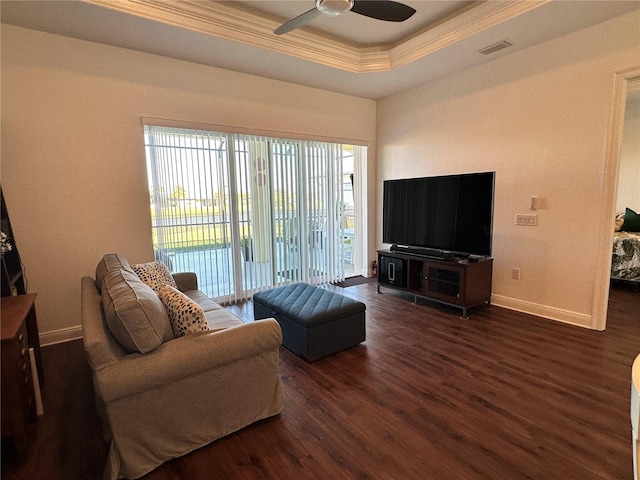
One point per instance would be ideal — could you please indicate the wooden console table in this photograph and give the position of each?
(19, 333)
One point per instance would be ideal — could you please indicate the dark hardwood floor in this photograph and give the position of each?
(501, 396)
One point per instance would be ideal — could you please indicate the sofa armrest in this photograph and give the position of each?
(186, 281)
(186, 356)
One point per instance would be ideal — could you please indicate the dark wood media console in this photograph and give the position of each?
(458, 282)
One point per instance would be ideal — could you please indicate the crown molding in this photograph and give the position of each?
(224, 21)
(231, 23)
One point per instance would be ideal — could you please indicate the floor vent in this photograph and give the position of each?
(495, 47)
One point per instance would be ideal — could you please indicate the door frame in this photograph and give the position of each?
(621, 85)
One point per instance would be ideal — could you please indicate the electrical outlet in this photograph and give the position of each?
(515, 273)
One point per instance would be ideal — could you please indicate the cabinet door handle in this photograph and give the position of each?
(23, 352)
(21, 337)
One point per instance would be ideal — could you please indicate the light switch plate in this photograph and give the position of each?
(527, 220)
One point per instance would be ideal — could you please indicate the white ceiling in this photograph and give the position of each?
(349, 54)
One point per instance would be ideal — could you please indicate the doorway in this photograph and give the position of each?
(249, 212)
(624, 82)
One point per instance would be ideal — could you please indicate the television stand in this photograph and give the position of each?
(457, 281)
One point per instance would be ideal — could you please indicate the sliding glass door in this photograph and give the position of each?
(246, 212)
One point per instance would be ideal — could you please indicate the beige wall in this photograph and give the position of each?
(539, 118)
(629, 169)
(73, 170)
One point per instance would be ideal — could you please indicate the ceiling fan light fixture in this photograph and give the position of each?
(333, 7)
(386, 10)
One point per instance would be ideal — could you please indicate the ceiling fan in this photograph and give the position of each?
(379, 9)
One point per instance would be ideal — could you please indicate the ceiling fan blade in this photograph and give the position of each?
(297, 22)
(383, 10)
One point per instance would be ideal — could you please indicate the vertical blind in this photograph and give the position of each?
(246, 212)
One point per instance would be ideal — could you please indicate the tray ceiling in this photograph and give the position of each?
(348, 54)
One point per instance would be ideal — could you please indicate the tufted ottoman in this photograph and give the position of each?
(315, 323)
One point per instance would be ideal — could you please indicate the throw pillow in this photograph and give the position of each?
(619, 221)
(110, 262)
(155, 274)
(133, 312)
(186, 315)
(631, 221)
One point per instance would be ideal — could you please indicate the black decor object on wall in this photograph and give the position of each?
(12, 278)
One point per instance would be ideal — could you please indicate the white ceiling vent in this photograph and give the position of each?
(495, 47)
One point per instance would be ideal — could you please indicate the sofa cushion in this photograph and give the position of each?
(155, 274)
(201, 299)
(218, 318)
(110, 262)
(134, 314)
(186, 315)
(222, 319)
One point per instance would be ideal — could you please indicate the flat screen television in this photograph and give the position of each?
(452, 213)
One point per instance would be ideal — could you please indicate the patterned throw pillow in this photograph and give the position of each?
(155, 274)
(186, 315)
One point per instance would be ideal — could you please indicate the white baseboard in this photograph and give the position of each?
(552, 313)
(61, 335)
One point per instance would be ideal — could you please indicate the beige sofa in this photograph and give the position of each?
(187, 391)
